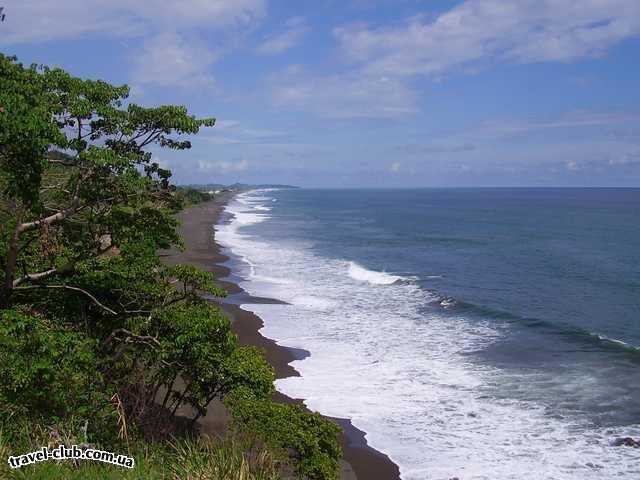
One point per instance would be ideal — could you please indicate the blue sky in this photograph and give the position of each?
(367, 93)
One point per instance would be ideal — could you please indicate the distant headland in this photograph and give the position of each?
(219, 187)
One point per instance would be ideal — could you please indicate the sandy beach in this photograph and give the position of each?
(197, 230)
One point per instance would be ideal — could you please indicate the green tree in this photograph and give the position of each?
(88, 312)
(84, 210)
(103, 192)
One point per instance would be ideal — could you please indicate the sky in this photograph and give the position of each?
(367, 93)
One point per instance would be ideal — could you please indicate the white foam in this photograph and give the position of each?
(616, 341)
(266, 279)
(312, 302)
(358, 272)
(404, 377)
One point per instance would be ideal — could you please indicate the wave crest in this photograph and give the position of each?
(361, 274)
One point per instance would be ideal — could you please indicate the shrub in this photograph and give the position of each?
(47, 370)
(311, 438)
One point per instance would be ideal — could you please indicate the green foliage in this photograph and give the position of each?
(232, 458)
(312, 437)
(246, 368)
(88, 310)
(104, 192)
(194, 279)
(47, 370)
(196, 342)
(185, 197)
(26, 128)
(130, 224)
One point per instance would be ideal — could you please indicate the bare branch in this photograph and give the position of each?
(64, 163)
(132, 337)
(76, 289)
(56, 217)
(34, 277)
(153, 136)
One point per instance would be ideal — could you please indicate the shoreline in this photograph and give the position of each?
(201, 249)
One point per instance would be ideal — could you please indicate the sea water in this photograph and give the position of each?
(471, 333)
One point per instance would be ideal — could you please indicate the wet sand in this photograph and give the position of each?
(201, 250)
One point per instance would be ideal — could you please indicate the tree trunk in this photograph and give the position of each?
(179, 401)
(168, 394)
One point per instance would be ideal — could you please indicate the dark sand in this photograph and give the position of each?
(201, 250)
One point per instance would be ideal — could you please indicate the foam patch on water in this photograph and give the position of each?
(361, 274)
(405, 377)
(615, 341)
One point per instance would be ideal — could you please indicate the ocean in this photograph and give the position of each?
(471, 333)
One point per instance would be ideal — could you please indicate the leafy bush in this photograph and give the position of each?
(186, 197)
(247, 368)
(289, 427)
(47, 370)
(196, 341)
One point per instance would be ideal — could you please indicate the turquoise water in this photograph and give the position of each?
(498, 329)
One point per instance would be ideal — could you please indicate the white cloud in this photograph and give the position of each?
(224, 166)
(572, 165)
(169, 60)
(162, 56)
(421, 149)
(44, 20)
(468, 37)
(576, 120)
(628, 158)
(295, 29)
(233, 132)
(342, 95)
(395, 167)
(512, 127)
(226, 124)
(478, 32)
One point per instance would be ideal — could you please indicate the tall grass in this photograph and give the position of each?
(231, 459)
(204, 458)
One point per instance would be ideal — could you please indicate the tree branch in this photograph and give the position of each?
(62, 162)
(34, 276)
(56, 217)
(138, 338)
(65, 268)
(76, 289)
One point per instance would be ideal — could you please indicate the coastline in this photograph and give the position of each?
(197, 230)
